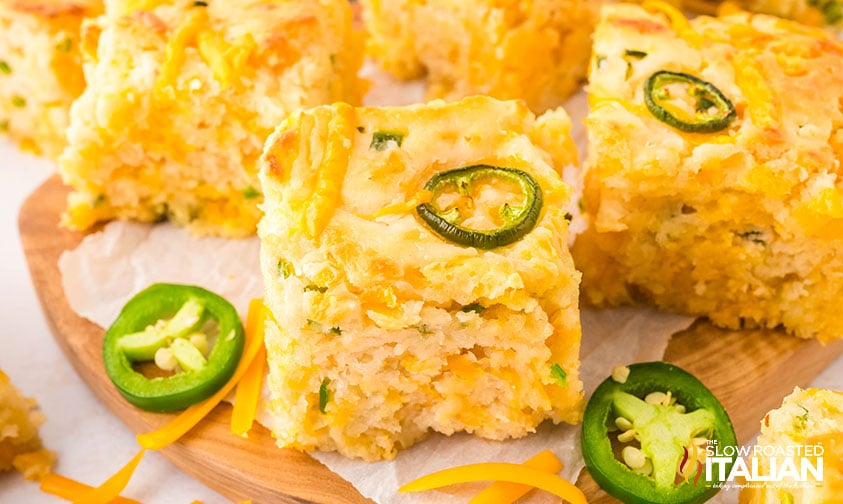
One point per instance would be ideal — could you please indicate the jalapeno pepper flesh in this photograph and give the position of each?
(518, 220)
(164, 315)
(712, 111)
(663, 432)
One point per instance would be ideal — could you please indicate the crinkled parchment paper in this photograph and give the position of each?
(110, 266)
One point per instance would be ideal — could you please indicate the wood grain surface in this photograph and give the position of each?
(749, 371)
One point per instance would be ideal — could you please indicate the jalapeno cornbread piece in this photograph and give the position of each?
(40, 69)
(732, 208)
(385, 327)
(20, 445)
(807, 428)
(536, 51)
(181, 97)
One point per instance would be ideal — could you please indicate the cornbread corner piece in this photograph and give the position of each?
(381, 329)
(807, 432)
(536, 51)
(20, 446)
(40, 69)
(744, 224)
(182, 96)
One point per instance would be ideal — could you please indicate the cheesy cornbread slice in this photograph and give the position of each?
(802, 437)
(824, 13)
(383, 329)
(40, 69)
(536, 51)
(20, 445)
(713, 180)
(181, 97)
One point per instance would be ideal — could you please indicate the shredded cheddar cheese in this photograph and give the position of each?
(249, 388)
(502, 492)
(111, 488)
(498, 471)
(69, 489)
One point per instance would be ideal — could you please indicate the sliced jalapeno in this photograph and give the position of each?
(667, 420)
(687, 103)
(173, 325)
(457, 211)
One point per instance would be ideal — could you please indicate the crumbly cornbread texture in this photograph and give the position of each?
(743, 225)
(807, 419)
(20, 446)
(40, 69)
(383, 330)
(182, 96)
(826, 13)
(536, 51)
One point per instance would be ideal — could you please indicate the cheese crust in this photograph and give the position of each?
(744, 225)
(403, 331)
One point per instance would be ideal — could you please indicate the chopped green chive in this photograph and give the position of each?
(65, 45)
(361, 129)
(473, 307)
(632, 53)
(284, 268)
(315, 288)
(336, 330)
(251, 193)
(382, 140)
(19, 101)
(559, 375)
(5, 68)
(324, 395)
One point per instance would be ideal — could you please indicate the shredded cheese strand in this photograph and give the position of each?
(69, 489)
(677, 19)
(112, 487)
(503, 492)
(498, 471)
(249, 389)
(180, 425)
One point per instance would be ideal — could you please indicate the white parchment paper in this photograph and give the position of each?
(109, 267)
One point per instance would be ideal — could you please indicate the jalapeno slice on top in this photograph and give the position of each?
(482, 206)
(194, 337)
(687, 103)
(664, 420)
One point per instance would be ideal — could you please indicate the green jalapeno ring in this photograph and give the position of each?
(707, 94)
(185, 388)
(618, 479)
(517, 221)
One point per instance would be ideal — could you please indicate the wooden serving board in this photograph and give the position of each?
(750, 371)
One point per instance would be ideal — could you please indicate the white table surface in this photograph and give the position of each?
(90, 442)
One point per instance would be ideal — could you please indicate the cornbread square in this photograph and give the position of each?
(743, 225)
(40, 69)
(182, 96)
(381, 329)
(536, 51)
(20, 446)
(806, 429)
